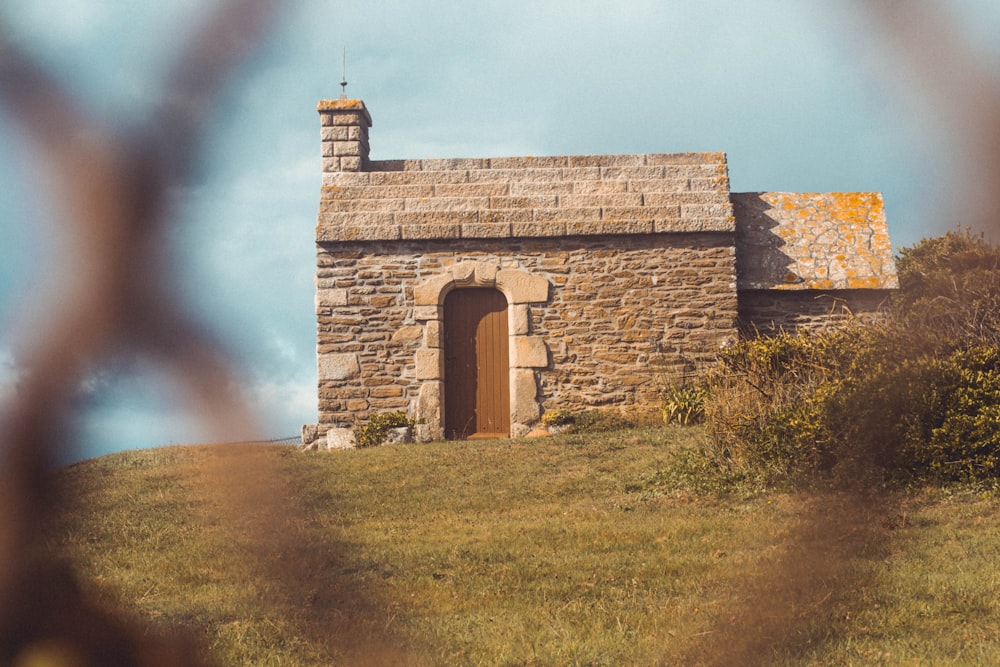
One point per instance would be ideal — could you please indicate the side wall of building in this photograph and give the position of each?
(771, 311)
(620, 313)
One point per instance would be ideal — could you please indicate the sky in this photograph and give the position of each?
(802, 95)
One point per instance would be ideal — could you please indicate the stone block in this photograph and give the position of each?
(340, 438)
(447, 203)
(430, 231)
(331, 298)
(537, 229)
(486, 230)
(463, 273)
(399, 436)
(530, 352)
(527, 201)
(543, 188)
(564, 214)
(310, 436)
(338, 367)
(524, 407)
(351, 163)
(408, 334)
(428, 293)
(601, 200)
(602, 227)
(428, 364)
(333, 133)
(432, 334)
(425, 313)
(429, 402)
(518, 323)
(486, 273)
(521, 287)
(471, 189)
(358, 232)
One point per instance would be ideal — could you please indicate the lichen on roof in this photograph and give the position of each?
(820, 241)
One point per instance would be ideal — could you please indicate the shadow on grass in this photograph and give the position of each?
(792, 605)
(304, 575)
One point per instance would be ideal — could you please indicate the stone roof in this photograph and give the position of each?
(804, 241)
(519, 197)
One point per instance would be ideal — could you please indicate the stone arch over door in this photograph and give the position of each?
(527, 353)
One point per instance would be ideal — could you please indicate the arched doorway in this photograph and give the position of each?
(476, 364)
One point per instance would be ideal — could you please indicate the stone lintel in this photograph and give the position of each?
(522, 287)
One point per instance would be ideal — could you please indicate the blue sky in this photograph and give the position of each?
(803, 95)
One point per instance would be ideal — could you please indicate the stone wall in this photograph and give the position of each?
(771, 311)
(620, 312)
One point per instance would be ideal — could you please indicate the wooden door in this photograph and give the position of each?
(476, 371)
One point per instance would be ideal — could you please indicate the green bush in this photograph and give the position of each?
(683, 404)
(917, 396)
(375, 432)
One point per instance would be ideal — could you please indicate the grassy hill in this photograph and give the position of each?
(567, 550)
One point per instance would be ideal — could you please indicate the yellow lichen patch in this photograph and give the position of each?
(335, 105)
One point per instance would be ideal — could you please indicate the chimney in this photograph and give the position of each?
(344, 134)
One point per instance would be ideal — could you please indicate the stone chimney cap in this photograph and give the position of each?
(345, 105)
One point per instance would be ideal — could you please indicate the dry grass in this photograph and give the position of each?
(547, 552)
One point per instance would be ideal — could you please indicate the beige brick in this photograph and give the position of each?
(524, 408)
(433, 178)
(334, 133)
(600, 200)
(357, 231)
(507, 215)
(529, 162)
(429, 364)
(706, 210)
(566, 214)
(436, 218)
(431, 231)
(470, 189)
(451, 164)
(610, 227)
(338, 367)
(518, 319)
(486, 230)
(607, 160)
(531, 188)
(686, 158)
(425, 313)
(361, 205)
(599, 187)
(432, 334)
(684, 198)
(530, 352)
(626, 213)
(538, 229)
(532, 201)
(447, 203)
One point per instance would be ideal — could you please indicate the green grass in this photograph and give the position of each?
(567, 550)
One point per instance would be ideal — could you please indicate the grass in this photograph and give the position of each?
(566, 550)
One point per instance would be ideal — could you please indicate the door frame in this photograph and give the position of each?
(528, 354)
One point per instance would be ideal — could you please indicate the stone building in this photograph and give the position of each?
(474, 294)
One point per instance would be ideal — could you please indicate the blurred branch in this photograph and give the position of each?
(116, 296)
(963, 86)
